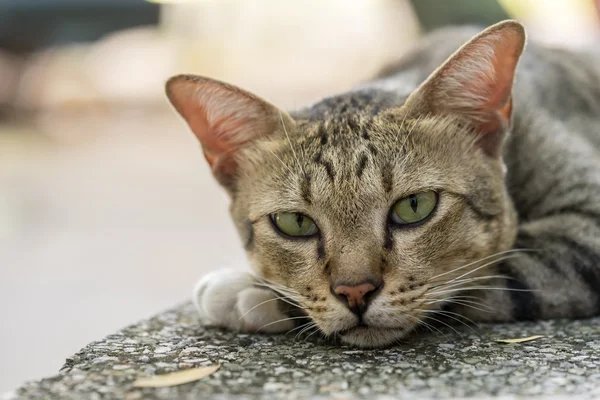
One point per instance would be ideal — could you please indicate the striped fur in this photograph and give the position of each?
(347, 159)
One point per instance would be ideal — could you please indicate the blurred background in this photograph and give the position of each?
(108, 213)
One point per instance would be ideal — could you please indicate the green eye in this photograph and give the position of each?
(294, 224)
(414, 208)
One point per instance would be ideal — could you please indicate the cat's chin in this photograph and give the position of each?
(371, 337)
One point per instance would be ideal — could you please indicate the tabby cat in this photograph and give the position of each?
(438, 192)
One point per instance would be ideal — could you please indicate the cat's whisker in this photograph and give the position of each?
(441, 322)
(302, 326)
(272, 283)
(457, 297)
(461, 300)
(475, 278)
(439, 282)
(263, 279)
(406, 157)
(426, 325)
(485, 288)
(456, 317)
(290, 143)
(485, 265)
(280, 320)
(445, 285)
(277, 287)
(468, 280)
(270, 300)
(292, 302)
(472, 305)
(428, 298)
(281, 161)
(310, 325)
(312, 333)
(480, 260)
(258, 305)
(280, 290)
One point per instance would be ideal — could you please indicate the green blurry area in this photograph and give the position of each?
(433, 14)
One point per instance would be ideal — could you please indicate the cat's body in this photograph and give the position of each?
(345, 161)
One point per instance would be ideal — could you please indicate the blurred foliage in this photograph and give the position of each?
(28, 25)
(435, 14)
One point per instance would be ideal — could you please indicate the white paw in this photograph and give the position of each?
(230, 299)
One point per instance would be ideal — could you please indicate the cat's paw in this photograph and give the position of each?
(231, 299)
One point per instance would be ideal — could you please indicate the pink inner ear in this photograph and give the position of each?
(223, 117)
(477, 81)
(500, 92)
(217, 138)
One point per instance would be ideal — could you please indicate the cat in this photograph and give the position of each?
(437, 192)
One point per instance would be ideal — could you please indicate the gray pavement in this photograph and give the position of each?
(565, 363)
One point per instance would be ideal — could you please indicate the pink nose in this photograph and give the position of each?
(356, 296)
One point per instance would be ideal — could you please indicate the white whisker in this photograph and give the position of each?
(290, 143)
(467, 303)
(441, 322)
(486, 288)
(485, 265)
(480, 260)
(456, 317)
(274, 299)
(312, 333)
(280, 320)
(468, 280)
(300, 327)
(426, 325)
(306, 329)
(281, 161)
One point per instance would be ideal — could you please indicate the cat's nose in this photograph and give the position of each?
(356, 297)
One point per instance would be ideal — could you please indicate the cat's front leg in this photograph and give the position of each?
(232, 299)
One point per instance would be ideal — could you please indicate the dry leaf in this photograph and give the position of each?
(520, 340)
(176, 378)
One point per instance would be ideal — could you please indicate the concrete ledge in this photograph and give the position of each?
(564, 363)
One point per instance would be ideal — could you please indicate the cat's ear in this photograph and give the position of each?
(475, 84)
(224, 118)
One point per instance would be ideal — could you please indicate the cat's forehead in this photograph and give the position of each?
(341, 163)
(364, 103)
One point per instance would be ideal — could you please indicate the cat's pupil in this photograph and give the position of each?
(299, 220)
(414, 203)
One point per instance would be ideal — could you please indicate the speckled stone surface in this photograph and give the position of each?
(564, 364)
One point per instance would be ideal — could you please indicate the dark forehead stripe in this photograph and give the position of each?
(364, 102)
(327, 165)
(372, 149)
(323, 139)
(305, 188)
(362, 164)
(353, 123)
(387, 178)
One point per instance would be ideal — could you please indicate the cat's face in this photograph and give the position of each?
(347, 178)
(370, 219)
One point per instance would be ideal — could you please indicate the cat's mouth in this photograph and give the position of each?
(362, 327)
(357, 327)
(371, 336)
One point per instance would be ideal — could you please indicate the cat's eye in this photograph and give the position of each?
(294, 224)
(414, 208)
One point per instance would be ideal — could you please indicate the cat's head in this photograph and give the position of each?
(367, 216)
